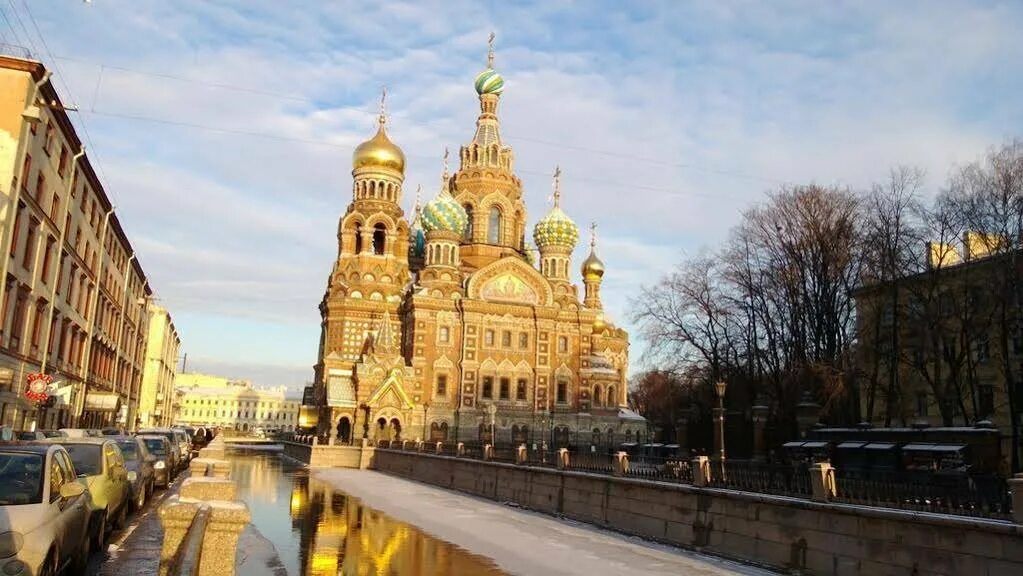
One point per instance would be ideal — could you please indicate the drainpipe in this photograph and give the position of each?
(60, 264)
(120, 332)
(30, 115)
(91, 320)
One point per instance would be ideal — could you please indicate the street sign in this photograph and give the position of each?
(37, 387)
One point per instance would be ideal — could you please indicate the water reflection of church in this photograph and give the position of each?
(427, 325)
(341, 536)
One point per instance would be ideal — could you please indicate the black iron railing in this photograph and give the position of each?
(661, 469)
(978, 496)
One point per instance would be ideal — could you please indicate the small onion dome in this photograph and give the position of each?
(556, 229)
(444, 213)
(599, 323)
(379, 152)
(489, 82)
(592, 266)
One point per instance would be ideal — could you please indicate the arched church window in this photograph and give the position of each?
(611, 400)
(468, 222)
(494, 226)
(597, 396)
(358, 238)
(379, 238)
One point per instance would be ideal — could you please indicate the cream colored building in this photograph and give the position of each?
(200, 380)
(157, 401)
(73, 296)
(237, 406)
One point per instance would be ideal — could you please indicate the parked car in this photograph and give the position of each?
(30, 435)
(81, 432)
(185, 440)
(160, 448)
(101, 469)
(112, 432)
(178, 461)
(54, 434)
(139, 463)
(44, 512)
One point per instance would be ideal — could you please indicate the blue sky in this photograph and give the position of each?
(223, 131)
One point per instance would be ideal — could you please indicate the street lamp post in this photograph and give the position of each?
(719, 389)
(426, 406)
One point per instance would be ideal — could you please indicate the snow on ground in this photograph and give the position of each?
(520, 541)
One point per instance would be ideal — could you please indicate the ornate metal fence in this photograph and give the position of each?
(784, 480)
(980, 496)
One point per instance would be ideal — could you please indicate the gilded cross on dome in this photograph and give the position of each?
(490, 52)
(593, 234)
(445, 163)
(557, 186)
(383, 106)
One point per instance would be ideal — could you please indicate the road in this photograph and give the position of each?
(520, 541)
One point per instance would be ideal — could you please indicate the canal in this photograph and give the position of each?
(318, 530)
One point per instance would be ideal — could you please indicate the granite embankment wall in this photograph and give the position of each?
(326, 456)
(792, 534)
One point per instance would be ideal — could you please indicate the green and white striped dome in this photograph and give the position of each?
(444, 213)
(489, 82)
(556, 229)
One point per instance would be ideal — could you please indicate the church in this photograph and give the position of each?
(452, 328)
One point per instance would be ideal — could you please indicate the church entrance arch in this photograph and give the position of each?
(344, 430)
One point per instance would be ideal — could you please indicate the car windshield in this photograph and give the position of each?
(26, 435)
(21, 478)
(129, 449)
(87, 458)
(53, 434)
(155, 445)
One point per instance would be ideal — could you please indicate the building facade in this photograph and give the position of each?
(238, 407)
(944, 347)
(447, 328)
(73, 296)
(157, 400)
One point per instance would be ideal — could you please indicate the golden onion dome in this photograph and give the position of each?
(599, 323)
(379, 152)
(592, 266)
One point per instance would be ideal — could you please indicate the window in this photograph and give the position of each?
(442, 385)
(358, 238)
(983, 348)
(50, 133)
(468, 222)
(921, 404)
(562, 344)
(494, 226)
(488, 387)
(17, 228)
(612, 400)
(597, 400)
(46, 259)
(379, 239)
(30, 241)
(523, 341)
(62, 165)
(26, 169)
(985, 400)
(55, 207)
(506, 339)
(505, 388)
(444, 334)
(40, 186)
(520, 389)
(562, 392)
(488, 338)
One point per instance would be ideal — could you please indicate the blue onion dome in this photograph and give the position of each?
(556, 229)
(444, 213)
(489, 82)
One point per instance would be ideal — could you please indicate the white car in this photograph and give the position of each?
(44, 512)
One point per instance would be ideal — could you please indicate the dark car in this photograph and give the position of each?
(177, 460)
(30, 435)
(163, 466)
(141, 474)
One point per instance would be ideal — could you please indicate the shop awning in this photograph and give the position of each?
(879, 446)
(815, 445)
(948, 448)
(851, 445)
(102, 402)
(791, 445)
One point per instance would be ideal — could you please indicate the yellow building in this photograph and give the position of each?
(156, 401)
(426, 326)
(239, 407)
(944, 347)
(73, 296)
(200, 380)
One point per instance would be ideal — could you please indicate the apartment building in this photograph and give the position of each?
(157, 400)
(238, 406)
(74, 297)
